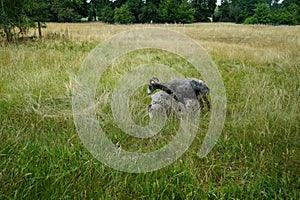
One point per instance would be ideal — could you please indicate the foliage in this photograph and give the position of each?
(107, 14)
(67, 10)
(251, 20)
(25, 14)
(263, 13)
(174, 11)
(204, 9)
(38, 11)
(22, 14)
(186, 12)
(167, 11)
(287, 15)
(123, 15)
(226, 12)
(162, 10)
(135, 7)
(258, 11)
(284, 15)
(149, 12)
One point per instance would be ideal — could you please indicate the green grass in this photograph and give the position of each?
(256, 157)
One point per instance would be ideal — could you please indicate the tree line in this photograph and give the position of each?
(17, 16)
(259, 11)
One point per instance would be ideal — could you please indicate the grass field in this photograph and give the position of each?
(256, 157)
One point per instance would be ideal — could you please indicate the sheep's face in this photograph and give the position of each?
(152, 85)
(151, 89)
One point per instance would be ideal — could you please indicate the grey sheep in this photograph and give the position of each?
(164, 102)
(182, 89)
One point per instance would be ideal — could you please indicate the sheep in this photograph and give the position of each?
(164, 102)
(182, 89)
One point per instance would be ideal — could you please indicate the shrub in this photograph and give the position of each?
(251, 20)
(107, 14)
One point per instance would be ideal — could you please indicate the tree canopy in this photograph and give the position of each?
(259, 11)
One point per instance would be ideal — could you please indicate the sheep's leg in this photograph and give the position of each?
(149, 107)
(201, 103)
(207, 102)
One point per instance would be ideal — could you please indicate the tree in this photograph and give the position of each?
(272, 3)
(38, 12)
(228, 11)
(118, 3)
(186, 12)
(123, 15)
(167, 11)
(262, 13)
(5, 21)
(66, 10)
(93, 10)
(294, 11)
(259, 11)
(107, 14)
(204, 9)
(149, 12)
(287, 3)
(105, 10)
(14, 14)
(135, 7)
(287, 15)
(222, 13)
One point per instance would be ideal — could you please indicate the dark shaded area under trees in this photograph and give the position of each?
(17, 16)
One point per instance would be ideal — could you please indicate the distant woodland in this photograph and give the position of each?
(17, 16)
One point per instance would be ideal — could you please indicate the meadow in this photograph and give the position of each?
(256, 157)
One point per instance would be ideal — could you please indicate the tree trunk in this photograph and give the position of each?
(8, 33)
(94, 10)
(40, 29)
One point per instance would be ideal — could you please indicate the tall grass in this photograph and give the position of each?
(256, 157)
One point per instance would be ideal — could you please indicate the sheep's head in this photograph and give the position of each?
(152, 84)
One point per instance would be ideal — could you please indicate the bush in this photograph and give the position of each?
(287, 15)
(251, 20)
(107, 14)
